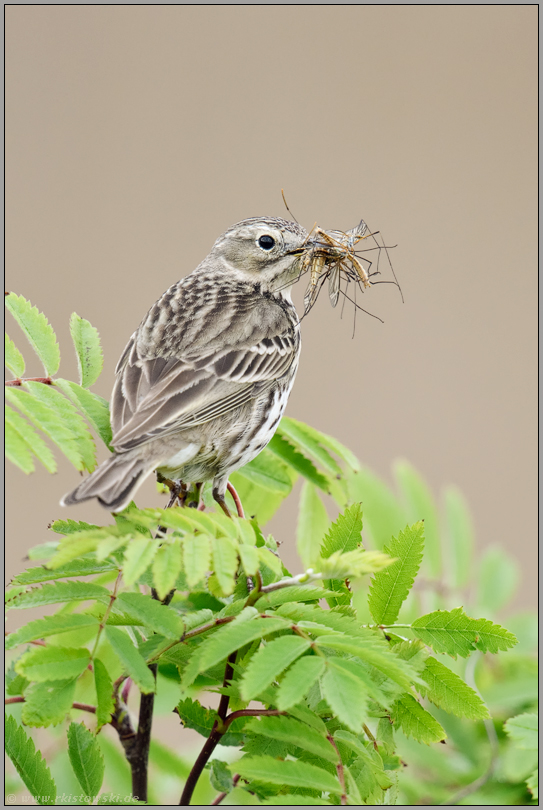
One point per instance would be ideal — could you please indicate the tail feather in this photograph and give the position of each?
(113, 483)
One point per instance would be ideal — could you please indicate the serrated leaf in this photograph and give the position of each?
(166, 567)
(269, 662)
(312, 524)
(420, 506)
(70, 526)
(373, 651)
(88, 350)
(32, 439)
(249, 559)
(49, 421)
(13, 358)
(353, 564)
(449, 692)
(345, 534)
(86, 758)
(50, 626)
(345, 693)
(297, 774)
(455, 633)
(53, 663)
(415, 721)
(17, 450)
(225, 563)
(371, 761)
(55, 592)
(532, 783)
(298, 680)
(75, 546)
(76, 568)
(294, 593)
(92, 406)
(383, 515)
(37, 330)
(460, 537)
(193, 715)
(160, 618)
(235, 635)
(390, 587)
(269, 472)
(257, 501)
(523, 729)
(293, 732)
(105, 705)
(220, 777)
(47, 704)
(29, 763)
(131, 659)
(137, 558)
(284, 450)
(310, 440)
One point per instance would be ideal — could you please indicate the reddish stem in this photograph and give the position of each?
(21, 380)
(82, 707)
(237, 501)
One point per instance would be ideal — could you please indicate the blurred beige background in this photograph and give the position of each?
(137, 134)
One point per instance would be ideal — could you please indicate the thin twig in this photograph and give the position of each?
(218, 799)
(21, 380)
(82, 707)
(339, 769)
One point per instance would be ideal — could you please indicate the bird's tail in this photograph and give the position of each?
(113, 483)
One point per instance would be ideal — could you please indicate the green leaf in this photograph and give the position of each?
(293, 732)
(420, 506)
(269, 662)
(257, 501)
(373, 650)
(166, 567)
(138, 556)
(93, 407)
(131, 659)
(298, 680)
(196, 557)
(294, 593)
(70, 526)
(220, 777)
(193, 715)
(390, 587)
(353, 564)
(53, 663)
(37, 330)
(345, 534)
(29, 763)
(249, 559)
(86, 758)
(47, 704)
(523, 729)
(32, 439)
(345, 693)
(498, 578)
(452, 632)
(308, 440)
(269, 472)
(17, 450)
(415, 721)
(88, 350)
(532, 784)
(13, 358)
(160, 618)
(48, 420)
(105, 705)
(372, 764)
(75, 568)
(312, 524)
(460, 535)
(225, 564)
(383, 515)
(241, 631)
(287, 453)
(449, 692)
(297, 774)
(50, 626)
(59, 592)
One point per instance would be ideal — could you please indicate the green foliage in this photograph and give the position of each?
(177, 603)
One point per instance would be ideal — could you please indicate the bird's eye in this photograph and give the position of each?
(266, 242)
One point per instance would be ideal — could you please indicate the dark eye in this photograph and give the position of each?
(266, 242)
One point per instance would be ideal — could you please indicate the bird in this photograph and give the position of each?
(205, 378)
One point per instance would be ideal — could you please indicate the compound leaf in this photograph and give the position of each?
(55, 592)
(50, 626)
(269, 662)
(131, 659)
(47, 704)
(13, 358)
(345, 693)
(449, 692)
(29, 763)
(298, 680)
(415, 721)
(166, 567)
(88, 350)
(455, 633)
(86, 758)
(345, 534)
(37, 330)
(282, 448)
(390, 587)
(289, 730)
(33, 440)
(286, 772)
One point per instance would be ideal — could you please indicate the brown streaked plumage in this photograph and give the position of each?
(204, 380)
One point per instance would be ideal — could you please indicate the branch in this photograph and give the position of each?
(339, 769)
(21, 380)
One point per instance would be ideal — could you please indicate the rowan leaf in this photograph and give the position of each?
(449, 692)
(415, 721)
(88, 350)
(286, 772)
(52, 663)
(13, 358)
(269, 662)
(312, 524)
(166, 567)
(47, 704)
(105, 705)
(29, 763)
(298, 680)
(50, 626)
(249, 559)
(75, 568)
(33, 440)
(37, 330)
(523, 729)
(372, 650)
(138, 556)
(225, 563)
(269, 472)
(345, 534)
(282, 448)
(345, 693)
(193, 715)
(17, 449)
(160, 618)
(390, 587)
(93, 407)
(455, 633)
(196, 557)
(56, 592)
(131, 659)
(246, 627)
(310, 441)
(86, 758)
(293, 732)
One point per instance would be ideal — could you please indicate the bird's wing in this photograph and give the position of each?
(159, 392)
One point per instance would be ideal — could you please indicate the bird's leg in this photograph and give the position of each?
(237, 501)
(219, 497)
(193, 496)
